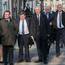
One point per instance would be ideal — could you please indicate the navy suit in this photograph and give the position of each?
(49, 20)
(49, 28)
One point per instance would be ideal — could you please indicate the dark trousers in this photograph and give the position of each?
(8, 55)
(42, 48)
(59, 33)
(39, 47)
(23, 42)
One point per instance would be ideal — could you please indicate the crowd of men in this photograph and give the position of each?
(45, 27)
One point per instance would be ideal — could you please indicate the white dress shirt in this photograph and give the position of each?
(26, 30)
(58, 22)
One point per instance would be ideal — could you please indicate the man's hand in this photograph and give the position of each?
(50, 24)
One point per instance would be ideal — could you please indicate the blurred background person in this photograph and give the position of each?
(28, 11)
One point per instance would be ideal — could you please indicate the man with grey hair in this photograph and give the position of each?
(59, 25)
(40, 34)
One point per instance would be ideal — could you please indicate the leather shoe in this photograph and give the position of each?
(37, 61)
(58, 54)
(20, 60)
(11, 64)
(27, 61)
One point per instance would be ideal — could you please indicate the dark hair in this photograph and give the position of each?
(22, 12)
(5, 12)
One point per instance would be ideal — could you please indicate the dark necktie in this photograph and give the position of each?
(23, 27)
(38, 18)
(60, 19)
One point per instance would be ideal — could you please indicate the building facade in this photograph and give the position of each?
(16, 5)
(5, 5)
(53, 3)
(0, 8)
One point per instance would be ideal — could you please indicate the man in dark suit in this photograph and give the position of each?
(24, 33)
(50, 17)
(7, 30)
(40, 34)
(59, 25)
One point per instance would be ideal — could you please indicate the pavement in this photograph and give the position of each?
(53, 60)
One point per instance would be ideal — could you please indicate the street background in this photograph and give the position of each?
(53, 60)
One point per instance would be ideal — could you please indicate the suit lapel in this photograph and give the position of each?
(36, 20)
(27, 21)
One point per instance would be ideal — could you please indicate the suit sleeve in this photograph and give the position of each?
(0, 28)
(31, 26)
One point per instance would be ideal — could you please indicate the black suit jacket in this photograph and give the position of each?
(49, 20)
(39, 30)
(55, 19)
(29, 24)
